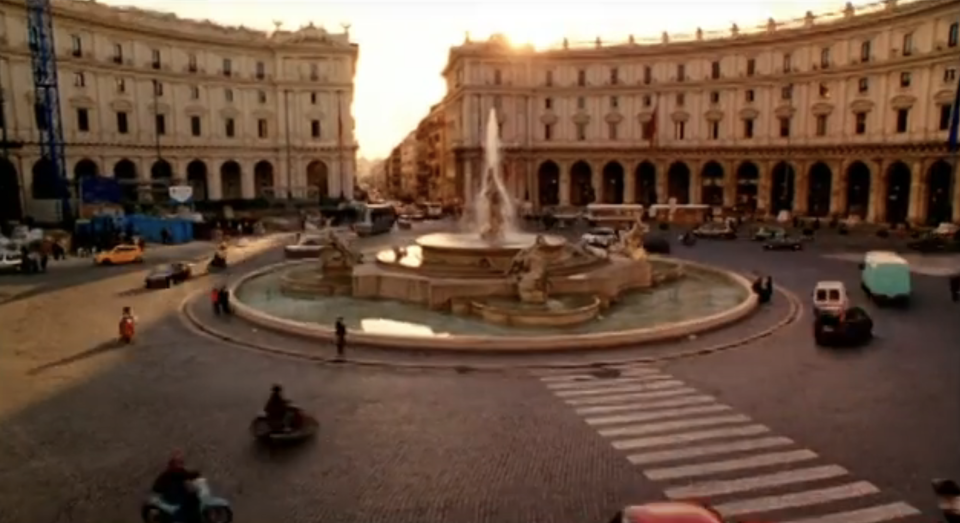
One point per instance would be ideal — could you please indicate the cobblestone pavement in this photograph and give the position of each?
(86, 425)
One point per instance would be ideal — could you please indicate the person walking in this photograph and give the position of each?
(340, 329)
(215, 301)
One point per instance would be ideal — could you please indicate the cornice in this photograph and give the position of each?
(901, 15)
(141, 24)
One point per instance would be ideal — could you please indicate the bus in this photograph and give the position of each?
(613, 215)
(375, 218)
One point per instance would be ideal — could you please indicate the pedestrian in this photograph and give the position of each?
(341, 333)
(955, 288)
(215, 301)
(223, 297)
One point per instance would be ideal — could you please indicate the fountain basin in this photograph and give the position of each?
(564, 311)
(706, 298)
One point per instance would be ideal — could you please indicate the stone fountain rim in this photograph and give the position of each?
(505, 344)
(553, 242)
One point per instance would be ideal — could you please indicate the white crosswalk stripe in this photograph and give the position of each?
(697, 447)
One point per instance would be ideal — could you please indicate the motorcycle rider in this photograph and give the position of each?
(127, 314)
(173, 485)
(277, 408)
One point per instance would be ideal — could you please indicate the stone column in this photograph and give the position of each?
(629, 187)
(596, 180)
(801, 184)
(214, 188)
(915, 214)
(838, 189)
(662, 194)
(696, 181)
(878, 193)
(763, 187)
(729, 183)
(564, 183)
(247, 189)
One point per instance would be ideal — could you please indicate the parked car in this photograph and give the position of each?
(656, 245)
(715, 230)
(168, 275)
(309, 246)
(602, 237)
(783, 243)
(768, 233)
(10, 261)
(934, 243)
(121, 254)
(851, 327)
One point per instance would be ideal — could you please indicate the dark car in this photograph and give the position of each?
(656, 245)
(934, 243)
(715, 230)
(853, 327)
(767, 233)
(168, 275)
(783, 243)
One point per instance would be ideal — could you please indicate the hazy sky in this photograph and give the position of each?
(404, 44)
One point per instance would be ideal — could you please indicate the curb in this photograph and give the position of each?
(793, 315)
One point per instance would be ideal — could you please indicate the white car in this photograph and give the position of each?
(603, 237)
(10, 261)
(830, 297)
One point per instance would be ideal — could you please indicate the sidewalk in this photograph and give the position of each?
(765, 322)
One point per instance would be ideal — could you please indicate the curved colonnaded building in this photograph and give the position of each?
(150, 97)
(842, 114)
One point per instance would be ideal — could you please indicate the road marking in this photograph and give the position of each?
(797, 499)
(657, 385)
(579, 374)
(715, 467)
(777, 479)
(659, 414)
(677, 402)
(667, 426)
(661, 456)
(866, 515)
(689, 437)
(583, 384)
(639, 396)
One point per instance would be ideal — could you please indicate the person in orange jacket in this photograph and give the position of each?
(215, 300)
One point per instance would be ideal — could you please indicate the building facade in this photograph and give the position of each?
(839, 114)
(150, 98)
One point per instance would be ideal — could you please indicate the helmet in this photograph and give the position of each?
(276, 388)
(126, 309)
(176, 460)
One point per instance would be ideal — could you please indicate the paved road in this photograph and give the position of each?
(85, 425)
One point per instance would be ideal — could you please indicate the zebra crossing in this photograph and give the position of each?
(695, 447)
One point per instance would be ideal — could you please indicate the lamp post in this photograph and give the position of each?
(286, 121)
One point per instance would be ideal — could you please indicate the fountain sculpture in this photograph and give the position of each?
(490, 270)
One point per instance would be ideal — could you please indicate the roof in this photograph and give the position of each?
(886, 257)
(830, 284)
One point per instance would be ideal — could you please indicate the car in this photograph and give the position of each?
(934, 243)
(768, 233)
(168, 275)
(715, 230)
(830, 297)
(885, 278)
(121, 254)
(853, 326)
(656, 245)
(309, 246)
(10, 261)
(783, 243)
(602, 237)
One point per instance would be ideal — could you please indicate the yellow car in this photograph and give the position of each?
(119, 255)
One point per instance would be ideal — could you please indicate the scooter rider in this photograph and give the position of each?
(173, 486)
(277, 408)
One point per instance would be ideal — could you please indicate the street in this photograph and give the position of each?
(777, 430)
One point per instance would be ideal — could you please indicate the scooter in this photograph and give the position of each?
(212, 508)
(127, 330)
(299, 426)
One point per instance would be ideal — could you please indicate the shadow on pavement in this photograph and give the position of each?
(104, 347)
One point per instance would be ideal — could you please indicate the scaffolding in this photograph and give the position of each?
(43, 56)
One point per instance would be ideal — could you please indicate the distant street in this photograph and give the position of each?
(776, 431)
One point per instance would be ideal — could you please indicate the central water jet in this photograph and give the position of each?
(494, 216)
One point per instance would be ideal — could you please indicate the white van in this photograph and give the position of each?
(830, 297)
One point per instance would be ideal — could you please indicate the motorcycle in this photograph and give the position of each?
(948, 499)
(688, 239)
(212, 508)
(127, 330)
(218, 262)
(297, 426)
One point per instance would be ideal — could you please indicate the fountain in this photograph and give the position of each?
(492, 274)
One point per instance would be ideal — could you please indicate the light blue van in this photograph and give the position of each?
(885, 277)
